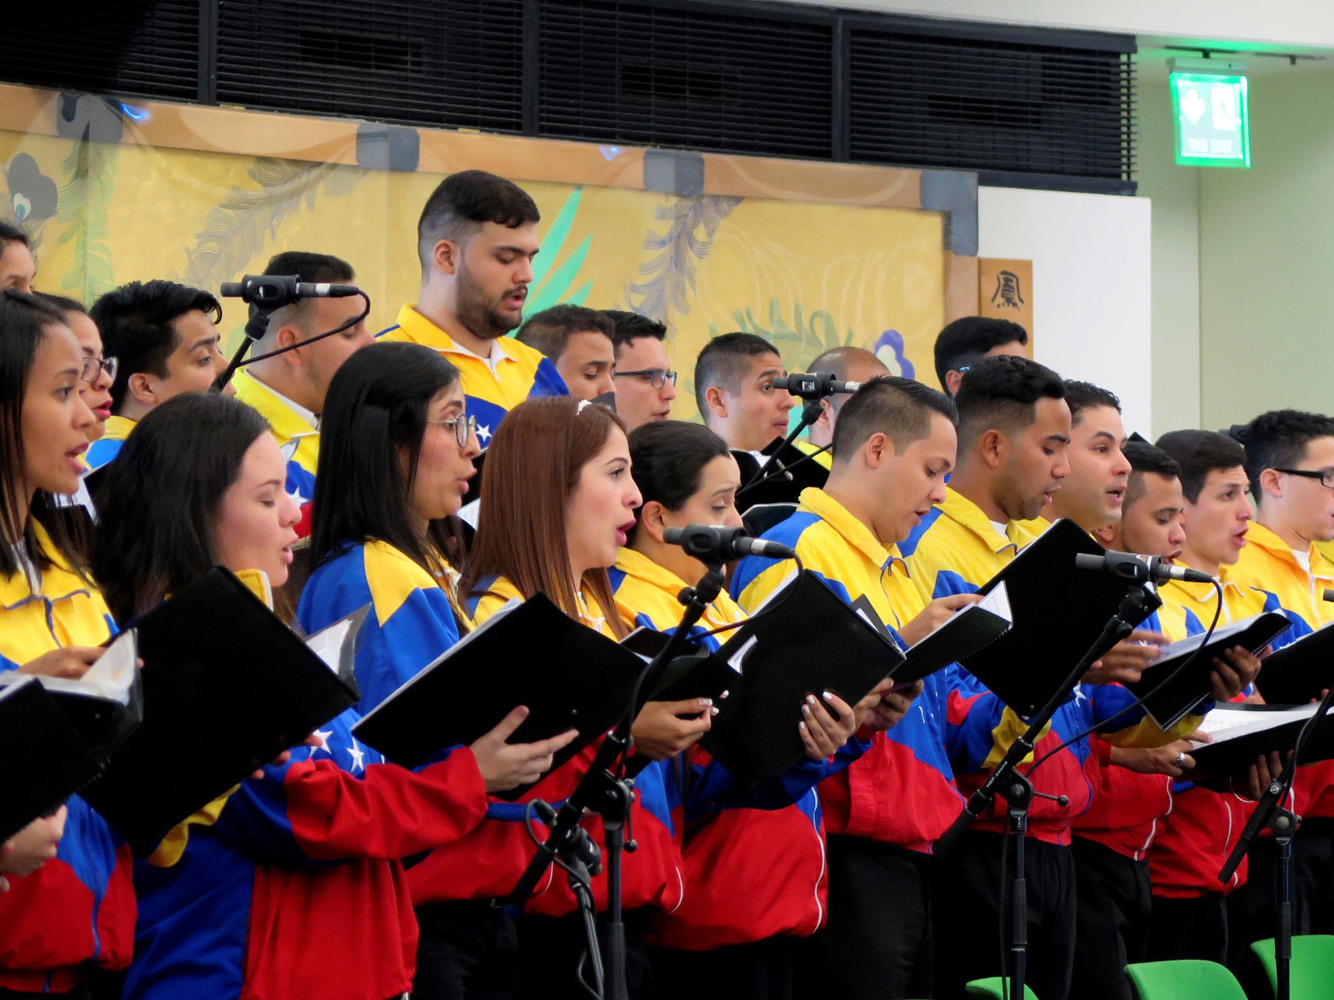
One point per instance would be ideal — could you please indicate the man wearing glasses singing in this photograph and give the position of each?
(643, 381)
(1290, 466)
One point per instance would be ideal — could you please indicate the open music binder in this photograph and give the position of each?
(1299, 671)
(1242, 732)
(528, 653)
(43, 760)
(966, 632)
(226, 688)
(812, 644)
(1191, 686)
(1058, 611)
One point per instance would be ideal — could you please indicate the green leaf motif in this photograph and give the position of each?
(238, 228)
(552, 280)
(84, 203)
(807, 335)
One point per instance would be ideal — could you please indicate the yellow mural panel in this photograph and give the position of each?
(806, 275)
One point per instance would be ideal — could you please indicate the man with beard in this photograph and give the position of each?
(477, 238)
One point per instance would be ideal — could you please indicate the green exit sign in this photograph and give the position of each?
(1211, 117)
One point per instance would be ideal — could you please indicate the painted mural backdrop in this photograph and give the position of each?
(808, 276)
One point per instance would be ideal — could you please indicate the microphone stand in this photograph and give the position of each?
(602, 791)
(255, 328)
(1271, 814)
(1015, 788)
(810, 413)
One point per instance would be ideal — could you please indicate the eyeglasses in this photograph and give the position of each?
(1326, 476)
(463, 427)
(658, 377)
(92, 367)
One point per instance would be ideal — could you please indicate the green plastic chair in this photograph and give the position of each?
(994, 989)
(1312, 968)
(1187, 979)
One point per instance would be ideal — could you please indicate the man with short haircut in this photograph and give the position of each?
(289, 389)
(1290, 467)
(1134, 792)
(643, 380)
(1190, 911)
(845, 364)
(1014, 432)
(165, 336)
(893, 447)
(476, 240)
(578, 342)
(968, 340)
(18, 268)
(1093, 494)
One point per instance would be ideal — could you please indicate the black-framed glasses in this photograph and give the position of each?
(658, 377)
(463, 426)
(92, 367)
(1326, 476)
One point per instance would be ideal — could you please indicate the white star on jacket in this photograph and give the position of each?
(323, 736)
(356, 754)
(483, 432)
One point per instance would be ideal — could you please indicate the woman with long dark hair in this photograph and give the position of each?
(290, 884)
(75, 914)
(396, 454)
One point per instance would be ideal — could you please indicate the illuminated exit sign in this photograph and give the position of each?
(1211, 118)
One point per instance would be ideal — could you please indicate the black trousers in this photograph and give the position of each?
(877, 942)
(760, 970)
(467, 950)
(1189, 928)
(969, 929)
(552, 954)
(1112, 912)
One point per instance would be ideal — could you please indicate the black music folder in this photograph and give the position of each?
(1058, 611)
(694, 672)
(1179, 694)
(966, 632)
(226, 688)
(1242, 732)
(43, 760)
(528, 653)
(1299, 671)
(811, 644)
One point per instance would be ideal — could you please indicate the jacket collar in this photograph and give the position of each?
(853, 531)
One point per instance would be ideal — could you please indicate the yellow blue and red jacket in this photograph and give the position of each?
(956, 550)
(902, 791)
(752, 871)
(1268, 566)
(299, 441)
(77, 911)
(291, 884)
(1197, 835)
(523, 372)
(1129, 810)
(108, 446)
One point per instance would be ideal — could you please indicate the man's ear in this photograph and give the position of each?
(825, 421)
(716, 399)
(993, 446)
(1271, 484)
(445, 256)
(952, 379)
(286, 337)
(141, 388)
(877, 449)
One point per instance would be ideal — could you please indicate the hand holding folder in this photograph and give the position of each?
(226, 688)
(1241, 732)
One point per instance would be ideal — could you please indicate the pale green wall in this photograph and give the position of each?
(1267, 258)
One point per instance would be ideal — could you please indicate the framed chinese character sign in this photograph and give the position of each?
(1005, 290)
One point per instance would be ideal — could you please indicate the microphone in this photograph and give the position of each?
(273, 291)
(812, 385)
(1139, 568)
(719, 545)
